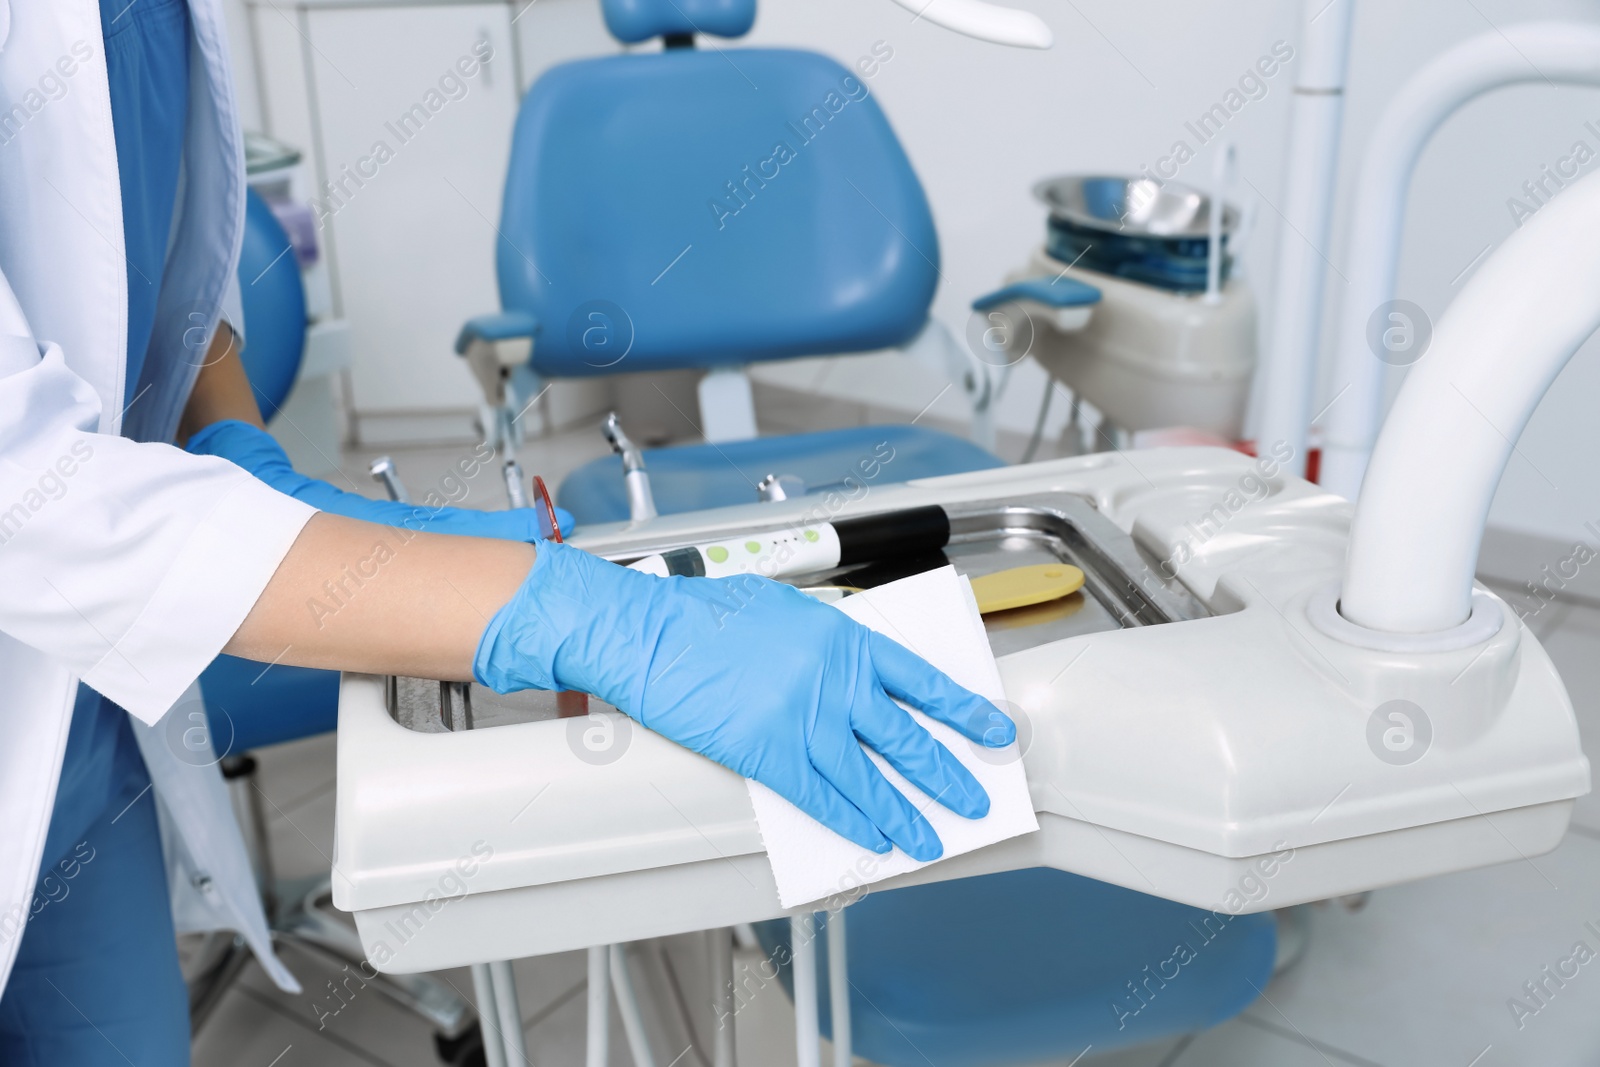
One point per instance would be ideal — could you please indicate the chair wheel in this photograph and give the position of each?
(464, 1050)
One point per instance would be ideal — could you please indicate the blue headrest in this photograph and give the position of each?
(632, 21)
(659, 209)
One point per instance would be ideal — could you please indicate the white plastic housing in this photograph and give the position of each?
(1149, 359)
(1183, 759)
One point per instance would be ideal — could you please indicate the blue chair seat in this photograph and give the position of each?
(691, 477)
(1032, 966)
(251, 705)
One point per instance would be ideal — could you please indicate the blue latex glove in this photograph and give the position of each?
(257, 452)
(754, 674)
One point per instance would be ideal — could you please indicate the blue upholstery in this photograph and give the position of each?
(660, 212)
(1051, 292)
(1033, 966)
(495, 326)
(632, 21)
(252, 704)
(691, 477)
(274, 307)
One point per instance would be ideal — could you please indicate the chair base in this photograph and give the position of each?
(1031, 966)
(300, 913)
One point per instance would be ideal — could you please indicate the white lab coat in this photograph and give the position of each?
(125, 564)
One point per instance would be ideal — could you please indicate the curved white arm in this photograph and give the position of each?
(1503, 340)
(1534, 52)
(985, 21)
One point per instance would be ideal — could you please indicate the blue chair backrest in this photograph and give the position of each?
(696, 209)
(632, 21)
(274, 300)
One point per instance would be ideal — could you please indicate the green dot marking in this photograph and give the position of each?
(752, 547)
(812, 535)
(718, 554)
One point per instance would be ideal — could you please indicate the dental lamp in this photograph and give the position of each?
(984, 21)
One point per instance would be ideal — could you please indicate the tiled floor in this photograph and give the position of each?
(1420, 976)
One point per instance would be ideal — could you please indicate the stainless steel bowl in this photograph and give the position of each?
(1131, 206)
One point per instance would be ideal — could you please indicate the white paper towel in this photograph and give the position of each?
(934, 615)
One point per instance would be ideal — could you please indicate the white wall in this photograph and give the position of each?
(982, 124)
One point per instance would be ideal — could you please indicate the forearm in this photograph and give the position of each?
(357, 596)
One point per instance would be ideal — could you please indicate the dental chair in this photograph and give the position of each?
(252, 706)
(711, 209)
(714, 208)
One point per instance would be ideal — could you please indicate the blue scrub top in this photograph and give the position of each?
(147, 58)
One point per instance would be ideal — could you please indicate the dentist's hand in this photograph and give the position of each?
(259, 453)
(757, 676)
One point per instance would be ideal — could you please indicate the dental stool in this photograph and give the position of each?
(711, 209)
(252, 705)
(1031, 966)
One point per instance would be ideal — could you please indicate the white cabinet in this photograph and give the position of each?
(406, 112)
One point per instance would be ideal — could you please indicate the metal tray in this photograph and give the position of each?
(1120, 590)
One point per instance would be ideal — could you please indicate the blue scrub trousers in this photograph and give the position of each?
(97, 981)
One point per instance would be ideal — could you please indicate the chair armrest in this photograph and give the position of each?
(498, 326)
(494, 346)
(1066, 302)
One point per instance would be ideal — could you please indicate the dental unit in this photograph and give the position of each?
(1262, 695)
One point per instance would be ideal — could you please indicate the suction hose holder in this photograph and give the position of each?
(1419, 521)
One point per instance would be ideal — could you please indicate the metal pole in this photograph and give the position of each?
(1288, 371)
(839, 989)
(803, 948)
(510, 1017)
(494, 1048)
(719, 947)
(628, 1008)
(599, 1007)
(1553, 53)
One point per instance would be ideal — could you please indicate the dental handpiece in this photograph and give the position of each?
(809, 548)
(388, 475)
(641, 501)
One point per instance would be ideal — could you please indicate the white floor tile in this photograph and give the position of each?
(1244, 1043)
(247, 1029)
(1156, 1054)
(302, 840)
(292, 774)
(353, 1016)
(1423, 974)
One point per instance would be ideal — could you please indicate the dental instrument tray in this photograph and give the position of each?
(986, 537)
(1187, 728)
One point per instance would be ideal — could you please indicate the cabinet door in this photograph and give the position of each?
(412, 156)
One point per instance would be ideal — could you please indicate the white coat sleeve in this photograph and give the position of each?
(131, 564)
